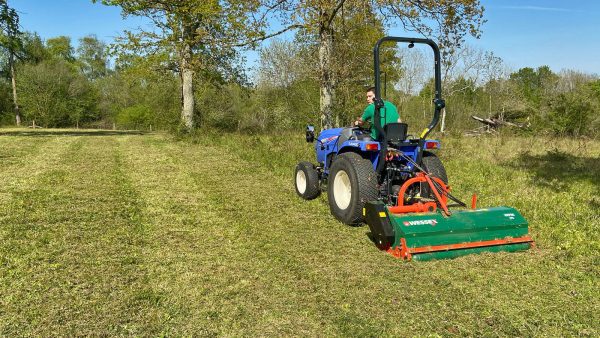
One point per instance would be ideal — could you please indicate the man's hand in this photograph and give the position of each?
(358, 122)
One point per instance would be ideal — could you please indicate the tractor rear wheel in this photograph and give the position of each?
(306, 181)
(433, 165)
(352, 183)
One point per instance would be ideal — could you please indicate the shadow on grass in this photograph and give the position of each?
(70, 132)
(557, 169)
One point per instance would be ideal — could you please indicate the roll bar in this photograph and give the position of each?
(438, 102)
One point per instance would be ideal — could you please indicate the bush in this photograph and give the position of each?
(571, 113)
(136, 117)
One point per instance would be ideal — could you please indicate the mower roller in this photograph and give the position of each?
(399, 187)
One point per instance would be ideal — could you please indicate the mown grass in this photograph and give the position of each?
(107, 233)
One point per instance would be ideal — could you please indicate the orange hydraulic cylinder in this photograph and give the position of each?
(416, 207)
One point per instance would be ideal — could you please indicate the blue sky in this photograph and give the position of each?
(561, 34)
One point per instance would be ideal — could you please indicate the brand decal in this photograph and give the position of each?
(510, 216)
(431, 222)
(328, 139)
(353, 144)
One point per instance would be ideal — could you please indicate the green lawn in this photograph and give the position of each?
(109, 233)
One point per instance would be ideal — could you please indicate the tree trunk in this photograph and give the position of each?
(326, 77)
(14, 90)
(187, 89)
(443, 121)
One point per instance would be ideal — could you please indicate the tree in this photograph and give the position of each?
(534, 84)
(282, 63)
(201, 35)
(286, 89)
(288, 68)
(352, 62)
(9, 39)
(33, 49)
(92, 56)
(60, 47)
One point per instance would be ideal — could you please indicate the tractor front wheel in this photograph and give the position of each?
(352, 183)
(306, 181)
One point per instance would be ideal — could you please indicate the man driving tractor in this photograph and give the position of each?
(389, 113)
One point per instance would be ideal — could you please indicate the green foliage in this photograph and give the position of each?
(92, 55)
(60, 48)
(287, 92)
(136, 117)
(353, 65)
(54, 94)
(6, 107)
(137, 84)
(573, 113)
(34, 50)
(9, 28)
(202, 37)
(535, 84)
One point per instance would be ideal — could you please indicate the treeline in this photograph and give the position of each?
(58, 85)
(62, 86)
(52, 83)
(476, 83)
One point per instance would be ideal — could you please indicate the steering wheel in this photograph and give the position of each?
(360, 128)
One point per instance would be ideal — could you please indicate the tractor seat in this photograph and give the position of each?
(396, 132)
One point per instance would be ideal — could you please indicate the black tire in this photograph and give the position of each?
(433, 165)
(351, 170)
(306, 181)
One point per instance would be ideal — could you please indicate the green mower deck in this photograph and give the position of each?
(432, 235)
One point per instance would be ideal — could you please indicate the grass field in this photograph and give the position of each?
(116, 233)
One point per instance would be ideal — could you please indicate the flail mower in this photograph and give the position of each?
(399, 187)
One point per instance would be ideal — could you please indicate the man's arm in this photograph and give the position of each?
(366, 116)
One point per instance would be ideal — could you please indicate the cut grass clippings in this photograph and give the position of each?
(118, 233)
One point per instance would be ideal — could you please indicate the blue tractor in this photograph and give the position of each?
(355, 169)
(399, 187)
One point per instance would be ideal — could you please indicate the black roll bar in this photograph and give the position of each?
(438, 102)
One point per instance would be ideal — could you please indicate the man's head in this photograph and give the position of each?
(370, 95)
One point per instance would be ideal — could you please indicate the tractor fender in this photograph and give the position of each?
(366, 149)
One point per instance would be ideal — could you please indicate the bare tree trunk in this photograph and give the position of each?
(187, 89)
(443, 122)
(14, 90)
(326, 77)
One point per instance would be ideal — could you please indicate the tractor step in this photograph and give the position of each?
(432, 235)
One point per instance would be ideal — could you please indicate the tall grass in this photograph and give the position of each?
(107, 233)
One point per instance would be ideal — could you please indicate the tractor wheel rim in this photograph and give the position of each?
(301, 181)
(342, 189)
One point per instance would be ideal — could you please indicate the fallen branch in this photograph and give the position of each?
(496, 123)
(492, 125)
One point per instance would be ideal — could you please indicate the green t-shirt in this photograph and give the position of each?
(389, 114)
